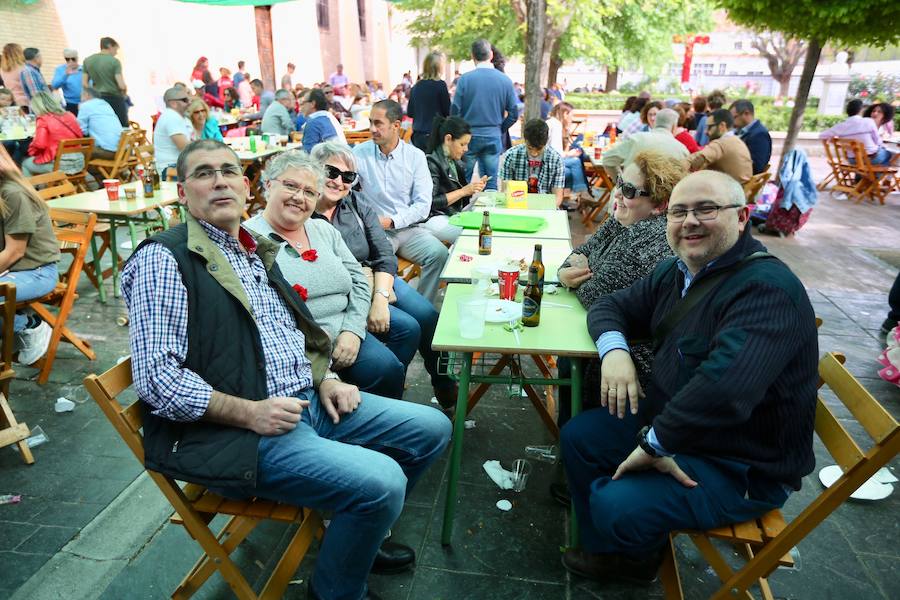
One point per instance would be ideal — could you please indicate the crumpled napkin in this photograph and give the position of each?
(499, 475)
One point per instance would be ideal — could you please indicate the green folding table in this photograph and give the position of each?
(498, 199)
(562, 332)
(556, 223)
(464, 256)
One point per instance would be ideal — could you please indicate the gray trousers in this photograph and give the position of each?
(415, 243)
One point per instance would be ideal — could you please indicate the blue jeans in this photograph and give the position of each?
(634, 514)
(360, 469)
(882, 157)
(485, 150)
(575, 178)
(31, 284)
(383, 358)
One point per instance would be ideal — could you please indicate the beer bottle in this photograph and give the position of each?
(485, 234)
(531, 300)
(538, 263)
(147, 181)
(155, 174)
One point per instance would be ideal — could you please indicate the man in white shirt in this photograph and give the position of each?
(172, 132)
(659, 139)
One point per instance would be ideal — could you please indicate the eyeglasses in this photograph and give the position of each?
(629, 190)
(295, 190)
(348, 177)
(707, 212)
(206, 174)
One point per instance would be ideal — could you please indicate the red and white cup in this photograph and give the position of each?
(112, 189)
(598, 152)
(508, 281)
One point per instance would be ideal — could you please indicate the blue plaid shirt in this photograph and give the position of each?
(551, 173)
(32, 81)
(158, 311)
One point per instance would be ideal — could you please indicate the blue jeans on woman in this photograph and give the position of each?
(31, 284)
(361, 469)
(383, 358)
(575, 178)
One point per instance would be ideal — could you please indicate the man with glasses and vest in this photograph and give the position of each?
(723, 431)
(237, 391)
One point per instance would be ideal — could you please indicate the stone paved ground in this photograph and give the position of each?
(496, 555)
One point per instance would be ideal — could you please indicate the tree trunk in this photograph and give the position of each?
(263, 17)
(534, 53)
(555, 62)
(809, 70)
(612, 80)
(785, 83)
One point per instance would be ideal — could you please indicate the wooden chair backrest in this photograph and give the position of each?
(858, 464)
(56, 185)
(846, 151)
(74, 230)
(407, 134)
(127, 421)
(144, 154)
(358, 137)
(754, 185)
(83, 146)
(8, 313)
(830, 158)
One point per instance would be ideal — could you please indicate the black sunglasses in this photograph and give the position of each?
(629, 190)
(347, 177)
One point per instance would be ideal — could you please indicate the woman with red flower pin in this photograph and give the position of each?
(315, 260)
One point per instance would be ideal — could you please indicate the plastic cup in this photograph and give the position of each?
(130, 194)
(598, 151)
(520, 472)
(471, 316)
(112, 189)
(481, 280)
(508, 280)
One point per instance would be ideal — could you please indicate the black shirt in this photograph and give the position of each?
(428, 98)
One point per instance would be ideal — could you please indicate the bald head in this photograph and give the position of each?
(710, 185)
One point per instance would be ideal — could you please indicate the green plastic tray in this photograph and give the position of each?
(499, 222)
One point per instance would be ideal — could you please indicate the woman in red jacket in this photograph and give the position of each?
(53, 124)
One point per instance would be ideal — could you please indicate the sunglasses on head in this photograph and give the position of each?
(347, 177)
(629, 190)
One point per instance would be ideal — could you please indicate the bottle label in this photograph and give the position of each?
(485, 242)
(530, 307)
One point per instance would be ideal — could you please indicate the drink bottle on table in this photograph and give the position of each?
(537, 262)
(531, 300)
(485, 235)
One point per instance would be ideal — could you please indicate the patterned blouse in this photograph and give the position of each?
(618, 256)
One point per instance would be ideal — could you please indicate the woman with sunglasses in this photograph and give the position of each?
(203, 126)
(624, 249)
(400, 319)
(315, 260)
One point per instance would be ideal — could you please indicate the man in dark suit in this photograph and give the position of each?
(753, 133)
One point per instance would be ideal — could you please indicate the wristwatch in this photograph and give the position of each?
(644, 443)
(330, 375)
(383, 292)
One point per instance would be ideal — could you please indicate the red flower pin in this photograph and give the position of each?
(301, 290)
(310, 255)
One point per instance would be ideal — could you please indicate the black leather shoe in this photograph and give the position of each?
(312, 595)
(560, 492)
(604, 567)
(393, 558)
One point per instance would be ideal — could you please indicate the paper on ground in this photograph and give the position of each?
(498, 474)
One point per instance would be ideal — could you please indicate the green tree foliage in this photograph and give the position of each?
(871, 23)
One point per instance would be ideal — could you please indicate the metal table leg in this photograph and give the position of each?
(576, 408)
(98, 271)
(462, 401)
(114, 251)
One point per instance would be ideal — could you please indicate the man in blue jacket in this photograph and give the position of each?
(753, 133)
(67, 77)
(485, 99)
(723, 431)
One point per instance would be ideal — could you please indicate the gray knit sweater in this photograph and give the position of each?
(339, 294)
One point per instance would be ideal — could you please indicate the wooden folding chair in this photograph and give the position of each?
(766, 542)
(11, 431)
(754, 185)
(74, 230)
(857, 176)
(195, 507)
(358, 137)
(122, 165)
(832, 161)
(600, 180)
(141, 137)
(407, 134)
(54, 184)
(408, 270)
(83, 146)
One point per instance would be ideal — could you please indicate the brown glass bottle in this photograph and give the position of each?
(531, 300)
(538, 262)
(485, 235)
(147, 182)
(155, 174)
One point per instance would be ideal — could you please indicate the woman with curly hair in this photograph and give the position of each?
(12, 61)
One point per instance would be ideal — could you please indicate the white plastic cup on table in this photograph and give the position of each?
(112, 189)
(471, 316)
(481, 280)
